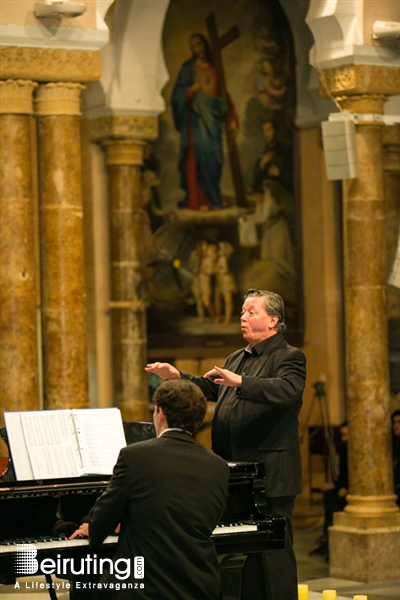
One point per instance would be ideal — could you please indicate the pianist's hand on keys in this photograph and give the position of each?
(81, 532)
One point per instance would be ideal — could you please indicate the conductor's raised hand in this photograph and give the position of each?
(164, 370)
(224, 377)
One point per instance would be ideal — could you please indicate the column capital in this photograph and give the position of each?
(124, 152)
(16, 96)
(359, 79)
(49, 64)
(62, 98)
(367, 104)
(134, 127)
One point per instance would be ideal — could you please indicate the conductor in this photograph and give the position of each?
(258, 392)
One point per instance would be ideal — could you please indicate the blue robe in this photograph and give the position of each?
(205, 114)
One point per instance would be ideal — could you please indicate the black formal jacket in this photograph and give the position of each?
(169, 494)
(264, 419)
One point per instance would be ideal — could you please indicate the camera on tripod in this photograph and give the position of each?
(319, 387)
(320, 396)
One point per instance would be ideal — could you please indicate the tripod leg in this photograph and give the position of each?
(329, 436)
(306, 422)
(302, 438)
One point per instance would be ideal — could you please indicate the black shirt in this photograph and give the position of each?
(223, 410)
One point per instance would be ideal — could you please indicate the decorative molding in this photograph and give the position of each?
(49, 64)
(135, 127)
(16, 96)
(59, 99)
(124, 152)
(360, 79)
(370, 105)
(37, 36)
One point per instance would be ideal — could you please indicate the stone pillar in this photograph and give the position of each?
(18, 320)
(63, 287)
(123, 139)
(365, 539)
(123, 159)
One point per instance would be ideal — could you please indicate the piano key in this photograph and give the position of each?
(232, 529)
(58, 544)
(62, 543)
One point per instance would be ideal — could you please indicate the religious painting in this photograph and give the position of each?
(221, 212)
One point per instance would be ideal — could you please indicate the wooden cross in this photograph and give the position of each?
(216, 45)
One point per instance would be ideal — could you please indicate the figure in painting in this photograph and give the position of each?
(199, 113)
(270, 88)
(214, 284)
(273, 163)
(270, 97)
(225, 285)
(153, 216)
(275, 243)
(203, 283)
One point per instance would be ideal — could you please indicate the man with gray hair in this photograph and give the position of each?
(258, 392)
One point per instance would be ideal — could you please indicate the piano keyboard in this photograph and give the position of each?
(238, 528)
(8, 547)
(54, 544)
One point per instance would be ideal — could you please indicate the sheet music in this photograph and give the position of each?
(101, 436)
(51, 442)
(18, 449)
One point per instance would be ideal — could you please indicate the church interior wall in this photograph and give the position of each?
(18, 13)
(379, 11)
(320, 223)
(321, 293)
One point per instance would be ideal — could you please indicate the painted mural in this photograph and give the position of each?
(219, 196)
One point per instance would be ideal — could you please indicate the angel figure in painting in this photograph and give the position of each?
(225, 285)
(202, 287)
(269, 87)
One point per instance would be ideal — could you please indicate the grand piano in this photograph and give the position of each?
(33, 511)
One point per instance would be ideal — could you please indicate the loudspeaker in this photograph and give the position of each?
(339, 142)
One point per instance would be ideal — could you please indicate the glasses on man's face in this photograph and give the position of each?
(396, 421)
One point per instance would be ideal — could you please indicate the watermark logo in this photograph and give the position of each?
(138, 565)
(25, 562)
(24, 559)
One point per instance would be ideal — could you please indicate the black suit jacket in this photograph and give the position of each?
(168, 493)
(264, 420)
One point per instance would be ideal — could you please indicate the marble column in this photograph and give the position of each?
(123, 138)
(123, 159)
(18, 315)
(65, 371)
(365, 538)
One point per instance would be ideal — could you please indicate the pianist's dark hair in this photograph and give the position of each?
(183, 402)
(273, 304)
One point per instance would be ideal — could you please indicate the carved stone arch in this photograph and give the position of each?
(336, 26)
(131, 79)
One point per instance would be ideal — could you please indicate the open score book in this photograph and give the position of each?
(51, 444)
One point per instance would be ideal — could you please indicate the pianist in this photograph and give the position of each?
(168, 495)
(259, 396)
